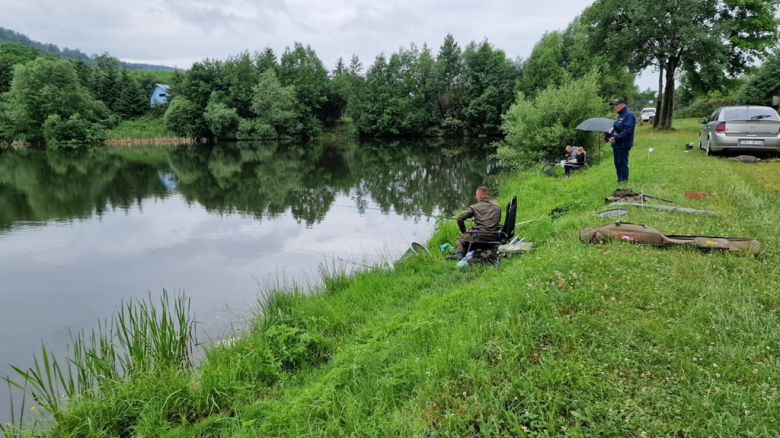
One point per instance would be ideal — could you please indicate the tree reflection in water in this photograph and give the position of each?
(261, 179)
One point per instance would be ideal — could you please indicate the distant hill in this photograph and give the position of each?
(66, 53)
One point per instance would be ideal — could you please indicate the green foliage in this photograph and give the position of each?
(142, 127)
(567, 54)
(48, 49)
(415, 93)
(764, 85)
(185, 118)
(301, 68)
(704, 107)
(48, 87)
(538, 128)
(143, 338)
(275, 106)
(253, 129)
(570, 340)
(234, 86)
(72, 131)
(12, 54)
(709, 40)
(221, 120)
(398, 95)
(133, 99)
(489, 78)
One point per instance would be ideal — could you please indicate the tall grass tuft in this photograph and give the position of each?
(14, 429)
(140, 337)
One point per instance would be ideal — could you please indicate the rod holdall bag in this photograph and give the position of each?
(644, 235)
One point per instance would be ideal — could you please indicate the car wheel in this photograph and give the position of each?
(710, 152)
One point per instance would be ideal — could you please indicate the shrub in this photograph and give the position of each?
(760, 89)
(252, 129)
(73, 131)
(703, 108)
(185, 118)
(222, 121)
(158, 109)
(539, 128)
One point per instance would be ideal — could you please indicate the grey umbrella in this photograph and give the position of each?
(596, 124)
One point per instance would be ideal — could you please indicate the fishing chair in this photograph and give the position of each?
(584, 165)
(497, 238)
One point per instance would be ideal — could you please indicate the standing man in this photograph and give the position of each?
(487, 217)
(622, 138)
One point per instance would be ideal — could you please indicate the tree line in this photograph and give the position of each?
(47, 98)
(453, 91)
(450, 91)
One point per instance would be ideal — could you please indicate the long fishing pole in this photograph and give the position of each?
(347, 261)
(528, 222)
(415, 213)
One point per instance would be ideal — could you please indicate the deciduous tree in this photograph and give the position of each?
(705, 38)
(48, 86)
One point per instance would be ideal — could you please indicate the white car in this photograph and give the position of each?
(647, 113)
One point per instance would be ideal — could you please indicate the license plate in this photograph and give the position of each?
(751, 142)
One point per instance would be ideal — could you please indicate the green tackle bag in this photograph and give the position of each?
(644, 235)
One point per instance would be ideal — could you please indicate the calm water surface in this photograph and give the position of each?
(79, 232)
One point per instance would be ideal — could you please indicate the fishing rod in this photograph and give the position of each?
(348, 261)
(415, 213)
(528, 222)
(655, 197)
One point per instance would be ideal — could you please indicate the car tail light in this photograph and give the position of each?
(721, 127)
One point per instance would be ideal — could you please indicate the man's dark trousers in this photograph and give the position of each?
(621, 163)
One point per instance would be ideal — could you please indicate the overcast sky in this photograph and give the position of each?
(179, 32)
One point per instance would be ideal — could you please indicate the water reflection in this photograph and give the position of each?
(263, 180)
(79, 232)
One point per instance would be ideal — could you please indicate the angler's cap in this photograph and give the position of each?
(618, 101)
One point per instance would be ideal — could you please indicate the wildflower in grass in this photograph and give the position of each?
(714, 365)
(717, 375)
(32, 408)
(755, 371)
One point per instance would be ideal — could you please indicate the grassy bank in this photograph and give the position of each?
(570, 340)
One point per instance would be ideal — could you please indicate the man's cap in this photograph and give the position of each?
(617, 101)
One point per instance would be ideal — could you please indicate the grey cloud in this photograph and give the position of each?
(182, 31)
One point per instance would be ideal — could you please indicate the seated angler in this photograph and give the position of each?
(576, 163)
(487, 217)
(571, 152)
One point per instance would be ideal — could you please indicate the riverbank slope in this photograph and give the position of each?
(571, 339)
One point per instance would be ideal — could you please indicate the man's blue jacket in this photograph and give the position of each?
(624, 129)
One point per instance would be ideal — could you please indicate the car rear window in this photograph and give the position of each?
(750, 113)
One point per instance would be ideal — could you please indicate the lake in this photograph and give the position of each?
(82, 231)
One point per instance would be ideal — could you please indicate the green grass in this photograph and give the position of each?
(147, 127)
(570, 340)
